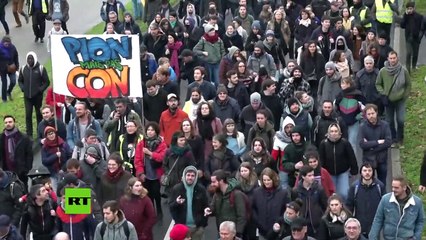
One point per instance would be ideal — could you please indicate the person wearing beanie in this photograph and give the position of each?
(271, 46)
(186, 195)
(212, 49)
(225, 106)
(329, 85)
(293, 84)
(384, 14)
(180, 232)
(412, 22)
(301, 117)
(261, 58)
(383, 49)
(255, 35)
(54, 154)
(229, 61)
(248, 113)
(365, 80)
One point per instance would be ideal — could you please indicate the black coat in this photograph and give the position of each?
(155, 46)
(413, 26)
(331, 230)
(235, 40)
(338, 157)
(268, 206)
(239, 93)
(153, 106)
(23, 155)
(40, 220)
(229, 163)
(320, 127)
(9, 200)
(199, 203)
(60, 126)
(33, 82)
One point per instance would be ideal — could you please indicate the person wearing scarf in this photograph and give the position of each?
(173, 48)
(181, 153)
(221, 157)
(232, 38)
(282, 227)
(114, 180)
(259, 156)
(394, 83)
(206, 126)
(54, 154)
(332, 223)
(281, 140)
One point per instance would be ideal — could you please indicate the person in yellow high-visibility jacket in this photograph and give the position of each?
(38, 10)
(383, 11)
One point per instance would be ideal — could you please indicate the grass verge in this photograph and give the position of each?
(415, 132)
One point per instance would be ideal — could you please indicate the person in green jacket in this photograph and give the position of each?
(394, 84)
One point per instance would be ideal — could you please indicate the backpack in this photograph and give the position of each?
(20, 184)
(125, 228)
(247, 203)
(356, 192)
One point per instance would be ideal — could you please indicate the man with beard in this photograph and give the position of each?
(293, 84)
(116, 124)
(364, 197)
(375, 140)
(187, 202)
(221, 206)
(237, 89)
(394, 83)
(190, 13)
(154, 102)
(293, 159)
(400, 213)
(191, 106)
(155, 41)
(224, 106)
(207, 89)
(329, 85)
(49, 119)
(261, 58)
(323, 121)
(271, 100)
(16, 150)
(248, 114)
(365, 80)
(412, 23)
(172, 118)
(301, 117)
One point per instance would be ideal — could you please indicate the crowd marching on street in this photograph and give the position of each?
(275, 122)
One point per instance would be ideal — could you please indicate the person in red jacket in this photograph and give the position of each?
(172, 118)
(149, 157)
(138, 209)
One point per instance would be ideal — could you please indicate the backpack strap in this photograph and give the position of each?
(126, 229)
(103, 228)
(12, 186)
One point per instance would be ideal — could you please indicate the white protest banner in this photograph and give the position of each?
(96, 66)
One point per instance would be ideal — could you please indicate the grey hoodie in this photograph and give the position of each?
(116, 230)
(347, 51)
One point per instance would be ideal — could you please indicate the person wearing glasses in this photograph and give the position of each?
(353, 230)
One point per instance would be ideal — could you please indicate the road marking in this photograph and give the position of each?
(167, 236)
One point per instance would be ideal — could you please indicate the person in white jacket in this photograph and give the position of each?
(56, 30)
(281, 139)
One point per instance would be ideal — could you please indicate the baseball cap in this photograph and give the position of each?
(172, 95)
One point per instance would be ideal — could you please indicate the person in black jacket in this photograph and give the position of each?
(332, 223)
(189, 194)
(422, 185)
(412, 23)
(10, 193)
(282, 227)
(155, 41)
(7, 230)
(39, 214)
(237, 89)
(16, 150)
(33, 81)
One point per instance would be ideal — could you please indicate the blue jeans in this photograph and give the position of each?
(283, 179)
(341, 182)
(396, 110)
(213, 70)
(137, 9)
(4, 89)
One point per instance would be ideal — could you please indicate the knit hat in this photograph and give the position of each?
(292, 101)
(57, 20)
(4, 222)
(232, 50)
(330, 65)
(90, 132)
(221, 88)
(208, 28)
(269, 33)
(179, 232)
(259, 44)
(255, 98)
(70, 178)
(49, 129)
(255, 24)
(383, 35)
(93, 151)
(410, 4)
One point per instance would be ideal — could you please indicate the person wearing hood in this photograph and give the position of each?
(16, 152)
(130, 24)
(342, 46)
(269, 201)
(321, 123)
(190, 13)
(314, 199)
(79, 151)
(282, 138)
(33, 81)
(293, 158)
(261, 58)
(349, 104)
(285, 73)
(10, 204)
(301, 117)
(365, 80)
(338, 158)
(116, 124)
(271, 46)
(228, 62)
(248, 113)
(295, 83)
(400, 213)
(224, 186)
(255, 35)
(54, 154)
(93, 166)
(49, 120)
(329, 85)
(212, 49)
(187, 202)
(113, 224)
